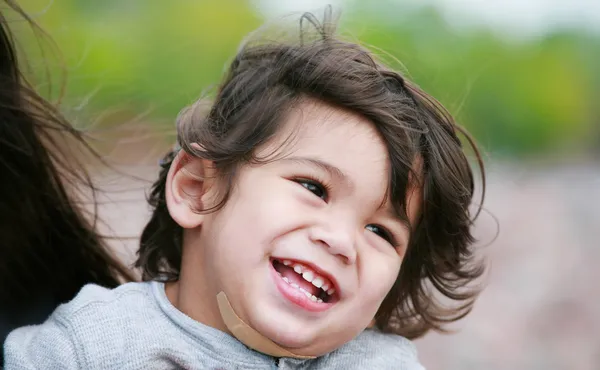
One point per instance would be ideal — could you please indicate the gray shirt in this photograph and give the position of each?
(136, 327)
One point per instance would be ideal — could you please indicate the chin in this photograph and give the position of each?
(286, 331)
(297, 338)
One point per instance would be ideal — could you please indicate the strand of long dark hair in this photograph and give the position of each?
(47, 244)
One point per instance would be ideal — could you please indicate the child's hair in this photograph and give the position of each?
(47, 247)
(266, 80)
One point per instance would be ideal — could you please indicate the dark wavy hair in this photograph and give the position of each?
(48, 247)
(264, 81)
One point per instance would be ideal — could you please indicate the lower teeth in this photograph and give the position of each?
(309, 295)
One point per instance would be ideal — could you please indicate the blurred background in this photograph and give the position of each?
(522, 76)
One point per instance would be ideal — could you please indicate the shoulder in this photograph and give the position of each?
(92, 326)
(100, 315)
(93, 297)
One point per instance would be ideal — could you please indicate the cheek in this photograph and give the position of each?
(377, 277)
(254, 217)
(272, 208)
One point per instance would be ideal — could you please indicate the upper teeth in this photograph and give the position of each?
(311, 276)
(318, 282)
(308, 276)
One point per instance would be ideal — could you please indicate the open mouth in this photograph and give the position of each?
(316, 286)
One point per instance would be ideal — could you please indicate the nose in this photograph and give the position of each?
(338, 239)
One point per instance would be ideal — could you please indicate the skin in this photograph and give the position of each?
(274, 212)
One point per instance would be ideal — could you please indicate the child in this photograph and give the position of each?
(301, 225)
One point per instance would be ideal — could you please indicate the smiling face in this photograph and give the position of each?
(305, 248)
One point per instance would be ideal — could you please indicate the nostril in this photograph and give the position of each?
(341, 246)
(348, 258)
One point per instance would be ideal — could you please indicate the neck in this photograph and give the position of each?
(194, 290)
(190, 299)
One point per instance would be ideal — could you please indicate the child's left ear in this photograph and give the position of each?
(187, 189)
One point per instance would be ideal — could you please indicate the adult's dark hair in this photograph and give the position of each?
(48, 248)
(268, 78)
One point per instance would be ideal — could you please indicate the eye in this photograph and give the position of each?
(314, 187)
(381, 232)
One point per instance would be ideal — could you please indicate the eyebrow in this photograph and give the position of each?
(331, 170)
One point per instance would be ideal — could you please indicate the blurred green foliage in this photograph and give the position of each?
(518, 97)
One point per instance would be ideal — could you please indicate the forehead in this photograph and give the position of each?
(316, 128)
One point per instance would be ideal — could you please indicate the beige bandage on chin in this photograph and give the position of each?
(250, 337)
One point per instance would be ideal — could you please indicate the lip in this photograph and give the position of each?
(316, 269)
(295, 296)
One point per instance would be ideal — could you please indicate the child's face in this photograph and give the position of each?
(315, 209)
